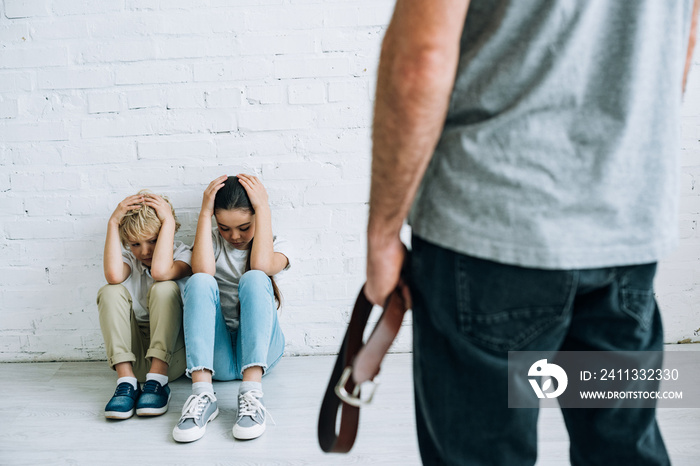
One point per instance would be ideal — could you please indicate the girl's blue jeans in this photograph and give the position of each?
(210, 345)
(468, 313)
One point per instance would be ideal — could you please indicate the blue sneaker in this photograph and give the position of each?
(121, 406)
(154, 399)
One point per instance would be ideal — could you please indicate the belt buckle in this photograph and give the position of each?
(354, 398)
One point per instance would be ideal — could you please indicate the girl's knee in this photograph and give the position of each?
(255, 279)
(200, 281)
(255, 293)
(201, 295)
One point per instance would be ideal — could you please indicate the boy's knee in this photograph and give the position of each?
(164, 299)
(110, 293)
(164, 289)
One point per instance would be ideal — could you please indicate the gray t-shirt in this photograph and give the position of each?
(560, 148)
(230, 266)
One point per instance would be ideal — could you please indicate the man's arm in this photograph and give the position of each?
(691, 41)
(416, 75)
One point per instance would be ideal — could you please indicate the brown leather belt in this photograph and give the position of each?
(357, 364)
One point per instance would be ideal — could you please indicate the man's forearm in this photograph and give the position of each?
(415, 80)
(408, 118)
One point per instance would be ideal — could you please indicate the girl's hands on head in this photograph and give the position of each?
(255, 189)
(160, 205)
(210, 194)
(203, 260)
(130, 203)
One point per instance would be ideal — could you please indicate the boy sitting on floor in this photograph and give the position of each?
(141, 307)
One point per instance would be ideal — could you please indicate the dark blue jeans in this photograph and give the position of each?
(468, 313)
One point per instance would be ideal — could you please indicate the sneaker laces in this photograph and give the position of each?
(124, 389)
(249, 405)
(151, 386)
(194, 406)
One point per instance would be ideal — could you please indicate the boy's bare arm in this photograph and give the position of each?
(163, 267)
(115, 269)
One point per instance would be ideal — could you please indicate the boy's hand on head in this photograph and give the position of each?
(161, 206)
(130, 203)
(210, 194)
(255, 189)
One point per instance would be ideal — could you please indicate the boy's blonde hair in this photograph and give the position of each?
(142, 222)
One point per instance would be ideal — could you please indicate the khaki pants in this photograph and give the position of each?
(128, 340)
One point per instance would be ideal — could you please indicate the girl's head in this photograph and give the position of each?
(235, 218)
(234, 214)
(139, 229)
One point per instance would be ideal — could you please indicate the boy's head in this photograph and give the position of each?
(140, 224)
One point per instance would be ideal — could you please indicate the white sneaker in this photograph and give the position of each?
(197, 412)
(250, 422)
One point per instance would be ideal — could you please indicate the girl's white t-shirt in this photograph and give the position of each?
(140, 281)
(230, 266)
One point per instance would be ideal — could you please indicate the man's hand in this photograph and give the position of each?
(384, 261)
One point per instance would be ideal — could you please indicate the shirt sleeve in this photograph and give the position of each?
(182, 252)
(283, 246)
(126, 257)
(129, 259)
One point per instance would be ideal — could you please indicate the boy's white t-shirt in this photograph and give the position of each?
(230, 266)
(140, 281)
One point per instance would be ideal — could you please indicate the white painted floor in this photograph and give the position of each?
(53, 414)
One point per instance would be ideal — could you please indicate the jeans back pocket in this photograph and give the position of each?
(637, 292)
(503, 308)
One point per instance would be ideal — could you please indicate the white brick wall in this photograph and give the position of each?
(99, 99)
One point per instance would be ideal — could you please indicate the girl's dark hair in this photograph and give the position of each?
(233, 196)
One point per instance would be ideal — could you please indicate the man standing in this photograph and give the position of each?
(535, 143)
